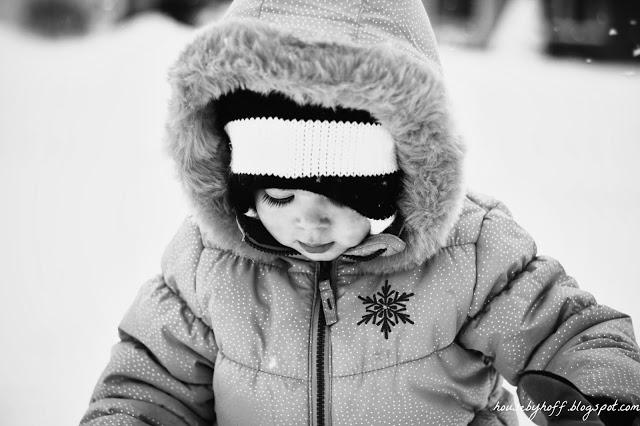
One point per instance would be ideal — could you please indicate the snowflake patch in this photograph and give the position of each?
(386, 311)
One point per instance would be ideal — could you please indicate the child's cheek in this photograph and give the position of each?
(355, 229)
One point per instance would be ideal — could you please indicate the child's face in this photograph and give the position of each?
(312, 224)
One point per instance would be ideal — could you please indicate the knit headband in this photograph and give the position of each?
(299, 149)
(341, 153)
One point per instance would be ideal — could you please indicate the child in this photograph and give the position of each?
(336, 271)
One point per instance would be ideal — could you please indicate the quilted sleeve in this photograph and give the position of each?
(527, 315)
(161, 371)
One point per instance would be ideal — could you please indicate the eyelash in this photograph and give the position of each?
(276, 202)
(279, 202)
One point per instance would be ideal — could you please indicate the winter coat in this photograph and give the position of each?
(417, 325)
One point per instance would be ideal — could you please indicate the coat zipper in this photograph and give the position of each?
(323, 318)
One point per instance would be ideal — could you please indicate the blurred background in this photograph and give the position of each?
(546, 93)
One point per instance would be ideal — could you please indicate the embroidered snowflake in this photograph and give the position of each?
(388, 310)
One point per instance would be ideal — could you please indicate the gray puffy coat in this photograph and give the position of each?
(415, 326)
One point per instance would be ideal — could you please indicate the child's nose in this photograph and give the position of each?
(314, 215)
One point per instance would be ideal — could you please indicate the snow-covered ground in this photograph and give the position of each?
(89, 198)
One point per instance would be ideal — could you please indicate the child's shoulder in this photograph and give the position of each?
(479, 212)
(483, 203)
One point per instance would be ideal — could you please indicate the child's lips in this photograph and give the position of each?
(321, 248)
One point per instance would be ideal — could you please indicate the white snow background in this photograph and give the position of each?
(90, 199)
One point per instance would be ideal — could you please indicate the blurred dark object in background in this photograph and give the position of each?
(185, 11)
(467, 22)
(68, 17)
(57, 18)
(604, 29)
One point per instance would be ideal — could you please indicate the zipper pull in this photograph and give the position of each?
(328, 302)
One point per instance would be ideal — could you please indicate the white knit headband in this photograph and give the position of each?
(305, 148)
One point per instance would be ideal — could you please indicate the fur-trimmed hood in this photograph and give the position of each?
(380, 58)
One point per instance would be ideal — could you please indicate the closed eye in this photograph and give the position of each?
(276, 202)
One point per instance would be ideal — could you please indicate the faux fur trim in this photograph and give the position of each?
(405, 95)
